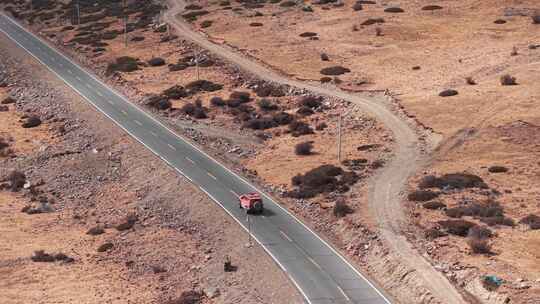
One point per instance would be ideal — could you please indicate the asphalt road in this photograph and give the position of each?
(319, 272)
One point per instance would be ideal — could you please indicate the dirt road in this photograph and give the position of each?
(385, 191)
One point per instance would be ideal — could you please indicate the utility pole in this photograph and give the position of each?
(125, 31)
(339, 137)
(78, 13)
(340, 120)
(125, 25)
(197, 65)
(249, 244)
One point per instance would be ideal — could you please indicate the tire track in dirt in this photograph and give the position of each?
(386, 188)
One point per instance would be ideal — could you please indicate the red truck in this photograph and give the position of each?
(251, 202)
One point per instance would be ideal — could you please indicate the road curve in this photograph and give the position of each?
(385, 191)
(319, 272)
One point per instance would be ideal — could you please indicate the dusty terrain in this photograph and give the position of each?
(82, 172)
(485, 125)
(417, 55)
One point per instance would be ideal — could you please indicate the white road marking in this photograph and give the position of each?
(124, 112)
(286, 236)
(138, 122)
(190, 160)
(172, 147)
(78, 78)
(314, 263)
(99, 93)
(109, 101)
(234, 193)
(343, 292)
(88, 86)
(205, 154)
(210, 174)
(69, 71)
(153, 133)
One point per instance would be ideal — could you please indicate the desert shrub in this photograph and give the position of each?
(452, 181)
(299, 128)
(308, 34)
(324, 57)
(479, 232)
(282, 118)
(97, 230)
(98, 50)
(448, 93)
(487, 209)
(192, 16)
(497, 169)
(267, 89)
(303, 148)
(200, 113)
(470, 81)
(310, 102)
(67, 28)
(105, 247)
(246, 108)
(233, 103)
(255, 24)
(288, 3)
(334, 71)
(3, 144)
(123, 64)
(304, 111)
(173, 67)
(224, 3)
(260, 123)
(435, 205)
(243, 97)
(31, 122)
(109, 35)
(159, 102)
(127, 223)
(217, 101)
(532, 220)
(480, 246)
(457, 227)
(188, 109)
(357, 6)
(433, 233)
(137, 38)
(202, 86)
(535, 19)
(321, 126)
(325, 79)
(16, 180)
(498, 220)
(431, 7)
(422, 195)
(507, 80)
(322, 179)
(8, 100)
(499, 21)
(394, 10)
(371, 21)
(341, 208)
(188, 297)
(193, 7)
(267, 105)
(175, 92)
(156, 61)
(378, 31)
(206, 23)
(42, 256)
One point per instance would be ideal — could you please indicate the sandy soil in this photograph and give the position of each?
(484, 125)
(175, 246)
